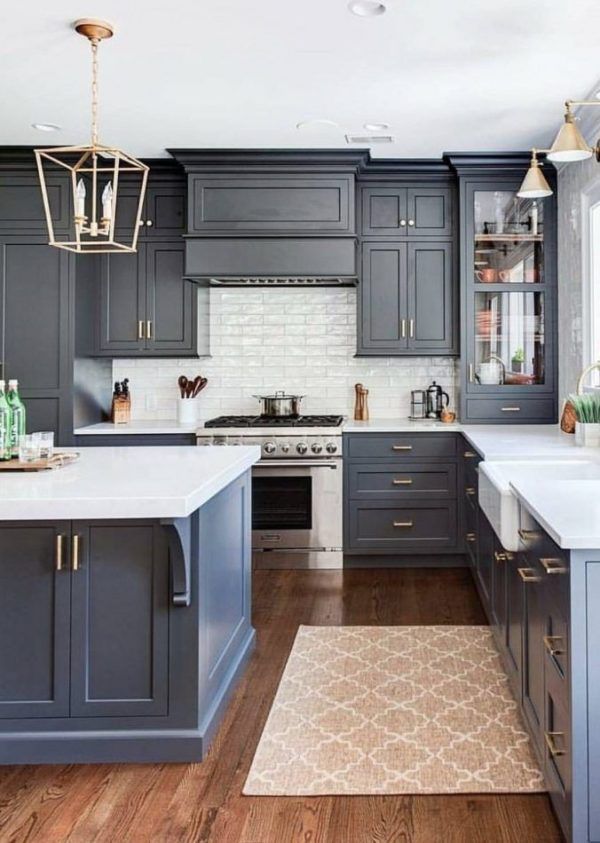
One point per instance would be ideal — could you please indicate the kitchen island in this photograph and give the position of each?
(124, 603)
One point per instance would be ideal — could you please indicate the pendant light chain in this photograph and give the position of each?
(94, 43)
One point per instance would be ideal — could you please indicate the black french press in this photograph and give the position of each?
(435, 401)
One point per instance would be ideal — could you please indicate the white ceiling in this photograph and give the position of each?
(445, 74)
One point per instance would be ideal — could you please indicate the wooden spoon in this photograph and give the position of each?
(182, 382)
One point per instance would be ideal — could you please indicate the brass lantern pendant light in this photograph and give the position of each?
(95, 172)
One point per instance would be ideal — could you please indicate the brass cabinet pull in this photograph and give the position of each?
(528, 575)
(502, 556)
(141, 330)
(525, 535)
(511, 409)
(553, 566)
(411, 326)
(469, 455)
(148, 330)
(75, 553)
(403, 328)
(403, 524)
(58, 555)
(550, 738)
(470, 490)
(550, 645)
(471, 373)
(401, 447)
(471, 537)
(402, 482)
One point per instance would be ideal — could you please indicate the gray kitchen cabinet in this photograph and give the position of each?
(119, 636)
(21, 206)
(406, 211)
(513, 644)
(146, 307)
(163, 212)
(500, 561)
(485, 559)
(271, 203)
(400, 495)
(407, 299)
(533, 647)
(37, 286)
(508, 257)
(34, 622)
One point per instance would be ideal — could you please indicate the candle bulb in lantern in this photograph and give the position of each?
(107, 196)
(80, 199)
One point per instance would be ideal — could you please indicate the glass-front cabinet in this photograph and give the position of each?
(508, 266)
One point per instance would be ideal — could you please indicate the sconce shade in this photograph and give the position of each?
(569, 144)
(534, 184)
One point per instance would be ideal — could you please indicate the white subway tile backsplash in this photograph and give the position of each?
(293, 339)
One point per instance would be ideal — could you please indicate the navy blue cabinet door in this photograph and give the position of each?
(122, 302)
(514, 623)
(499, 569)
(533, 647)
(34, 620)
(171, 306)
(119, 620)
(431, 305)
(383, 299)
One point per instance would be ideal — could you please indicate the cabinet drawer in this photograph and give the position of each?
(414, 480)
(512, 409)
(401, 446)
(556, 647)
(557, 744)
(412, 525)
(555, 563)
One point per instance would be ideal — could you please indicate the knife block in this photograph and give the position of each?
(120, 412)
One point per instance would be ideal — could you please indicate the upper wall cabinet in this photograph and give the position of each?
(21, 206)
(406, 211)
(163, 214)
(271, 204)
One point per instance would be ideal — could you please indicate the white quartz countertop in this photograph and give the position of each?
(136, 427)
(127, 482)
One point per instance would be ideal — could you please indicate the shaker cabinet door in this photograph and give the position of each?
(431, 321)
(34, 621)
(533, 646)
(384, 305)
(122, 301)
(170, 300)
(119, 619)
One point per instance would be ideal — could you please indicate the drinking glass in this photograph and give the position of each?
(29, 447)
(46, 444)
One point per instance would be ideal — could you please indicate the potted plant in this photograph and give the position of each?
(587, 411)
(518, 359)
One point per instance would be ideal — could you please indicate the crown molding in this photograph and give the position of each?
(288, 160)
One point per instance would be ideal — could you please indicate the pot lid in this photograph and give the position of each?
(279, 396)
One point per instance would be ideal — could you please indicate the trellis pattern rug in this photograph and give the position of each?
(385, 710)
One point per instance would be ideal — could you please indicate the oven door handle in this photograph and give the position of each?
(297, 464)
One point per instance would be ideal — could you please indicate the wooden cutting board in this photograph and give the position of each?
(55, 461)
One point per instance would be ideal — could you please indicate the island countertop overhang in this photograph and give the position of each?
(125, 482)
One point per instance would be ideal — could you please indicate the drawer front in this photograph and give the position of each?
(387, 481)
(411, 526)
(556, 648)
(555, 562)
(401, 446)
(511, 409)
(557, 749)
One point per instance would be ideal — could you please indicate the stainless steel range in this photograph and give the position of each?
(296, 486)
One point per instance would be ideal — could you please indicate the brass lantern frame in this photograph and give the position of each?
(93, 164)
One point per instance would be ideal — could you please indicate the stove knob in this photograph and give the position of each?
(285, 448)
(302, 447)
(331, 447)
(269, 447)
(316, 448)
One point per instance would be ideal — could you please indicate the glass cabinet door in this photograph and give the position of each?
(508, 300)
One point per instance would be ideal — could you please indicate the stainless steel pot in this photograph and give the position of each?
(280, 404)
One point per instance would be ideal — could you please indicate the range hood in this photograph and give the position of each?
(282, 282)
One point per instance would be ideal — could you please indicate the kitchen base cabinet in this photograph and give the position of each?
(400, 495)
(121, 641)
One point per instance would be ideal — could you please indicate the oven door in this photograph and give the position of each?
(297, 506)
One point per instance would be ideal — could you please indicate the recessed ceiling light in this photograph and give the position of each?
(376, 127)
(366, 8)
(45, 127)
(316, 122)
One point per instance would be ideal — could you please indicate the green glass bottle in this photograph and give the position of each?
(17, 416)
(5, 420)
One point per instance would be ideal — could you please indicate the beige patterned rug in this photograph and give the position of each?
(403, 709)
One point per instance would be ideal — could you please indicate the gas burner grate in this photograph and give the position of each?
(275, 421)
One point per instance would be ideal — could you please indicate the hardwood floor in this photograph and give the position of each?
(203, 802)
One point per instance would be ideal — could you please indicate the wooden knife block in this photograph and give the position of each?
(120, 412)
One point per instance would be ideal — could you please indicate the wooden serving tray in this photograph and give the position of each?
(57, 460)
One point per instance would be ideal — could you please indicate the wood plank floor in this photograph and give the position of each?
(203, 802)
